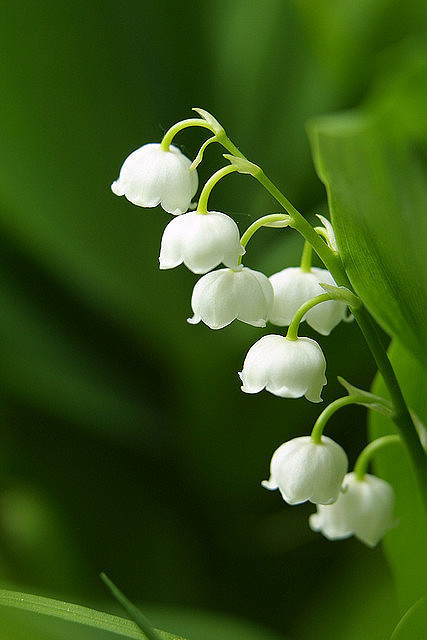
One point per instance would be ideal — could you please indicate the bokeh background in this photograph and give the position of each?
(127, 445)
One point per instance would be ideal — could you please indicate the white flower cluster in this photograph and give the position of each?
(304, 471)
(364, 509)
(152, 175)
(304, 468)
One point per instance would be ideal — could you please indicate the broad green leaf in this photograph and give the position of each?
(405, 546)
(413, 625)
(377, 200)
(75, 613)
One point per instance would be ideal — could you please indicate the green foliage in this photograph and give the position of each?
(405, 546)
(377, 199)
(133, 612)
(374, 176)
(413, 624)
(66, 620)
(76, 614)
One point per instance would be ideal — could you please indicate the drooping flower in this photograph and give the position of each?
(285, 368)
(201, 242)
(152, 176)
(304, 470)
(222, 296)
(292, 287)
(364, 509)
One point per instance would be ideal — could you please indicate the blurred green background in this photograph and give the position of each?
(127, 445)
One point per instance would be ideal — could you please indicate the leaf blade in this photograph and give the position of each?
(133, 612)
(376, 200)
(413, 625)
(405, 545)
(76, 613)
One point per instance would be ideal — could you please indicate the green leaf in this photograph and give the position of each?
(76, 613)
(413, 624)
(405, 546)
(133, 612)
(377, 200)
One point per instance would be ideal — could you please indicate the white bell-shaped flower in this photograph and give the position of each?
(292, 287)
(201, 242)
(304, 470)
(286, 368)
(222, 296)
(152, 176)
(364, 509)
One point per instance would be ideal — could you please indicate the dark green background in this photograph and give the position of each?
(127, 445)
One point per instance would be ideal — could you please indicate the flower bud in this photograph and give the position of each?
(285, 368)
(364, 509)
(292, 287)
(201, 242)
(222, 296)
(152, 176)
(304, 470)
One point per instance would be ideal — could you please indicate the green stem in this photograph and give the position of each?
(261, 222)
(332, 261)
(258, 224)
(179, 126)
(202, 206)
(297, 221)
(307, 252)
(327, 413)
(292, 333)
(362, 462)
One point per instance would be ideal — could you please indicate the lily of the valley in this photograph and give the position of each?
(285, 368)
(151, 176)
(293, 286)
(222, 296)
(201, 242)
(364, 509)
(305, 470)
